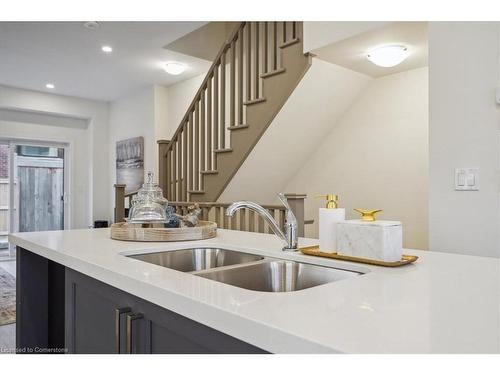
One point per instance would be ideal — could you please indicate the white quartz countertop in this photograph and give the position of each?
(443, 303)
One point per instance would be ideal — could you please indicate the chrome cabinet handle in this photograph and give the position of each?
(130, 319)
(118, 312)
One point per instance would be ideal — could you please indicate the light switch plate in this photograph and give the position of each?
(466, 179)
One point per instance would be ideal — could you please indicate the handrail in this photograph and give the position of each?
(203, 85)
(243, 220)
(209, 138)
(233, 82)
(220, 204)
(130, 194)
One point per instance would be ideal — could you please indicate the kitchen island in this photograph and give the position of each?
(443, 303)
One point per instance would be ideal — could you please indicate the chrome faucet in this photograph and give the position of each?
(290, 237)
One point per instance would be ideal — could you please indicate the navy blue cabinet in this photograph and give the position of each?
(60, 310)
(104, 319)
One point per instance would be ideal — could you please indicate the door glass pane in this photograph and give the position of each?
(4, 200)
(34, 151)
(40, 179)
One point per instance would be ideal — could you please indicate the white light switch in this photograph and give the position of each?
(466, 179)
(461, 179)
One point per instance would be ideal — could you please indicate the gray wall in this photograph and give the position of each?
(463, 68)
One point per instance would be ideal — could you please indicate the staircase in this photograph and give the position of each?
(249, 81)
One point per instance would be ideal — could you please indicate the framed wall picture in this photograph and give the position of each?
(130, 163)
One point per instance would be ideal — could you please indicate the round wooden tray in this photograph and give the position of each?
(137, 232)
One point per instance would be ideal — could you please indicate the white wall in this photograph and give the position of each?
(94, 164)
(320, 99)
(463, 62)
(376, 156)
(179, 97)
(153, 113)
(129, 117)
(161, 112)
(133, 116)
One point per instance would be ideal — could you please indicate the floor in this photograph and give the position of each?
(8, 332)
(9, 266)
(7, 338)
(4, 253)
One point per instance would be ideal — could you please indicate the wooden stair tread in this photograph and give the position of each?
(209, 172)
(196, 191)
(222, 150)
(238, 127)
(289, 43)
(273, 73)
(254, 101)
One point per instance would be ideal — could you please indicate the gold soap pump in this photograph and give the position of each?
(332, 200)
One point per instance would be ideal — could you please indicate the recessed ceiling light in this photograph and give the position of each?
(92, 25)
(388, 56)
(50, 86)
(107, 49)
(174, 68)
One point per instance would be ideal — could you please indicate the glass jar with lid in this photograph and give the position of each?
(148, 205)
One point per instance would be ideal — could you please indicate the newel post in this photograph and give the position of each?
(296, 202)
(162, 164)
(119, 203)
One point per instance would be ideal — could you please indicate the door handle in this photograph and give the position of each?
(118, 312)
(130, 320)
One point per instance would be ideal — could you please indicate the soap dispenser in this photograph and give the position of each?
(329, 216)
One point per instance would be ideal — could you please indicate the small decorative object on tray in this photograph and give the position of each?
(172, 219)
(152, 219)
(192, 218)
(314, 250)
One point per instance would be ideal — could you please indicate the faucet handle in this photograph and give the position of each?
(283, 200)
(290, 216)
(291, 226)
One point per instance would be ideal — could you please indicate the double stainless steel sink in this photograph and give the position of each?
(247, 271)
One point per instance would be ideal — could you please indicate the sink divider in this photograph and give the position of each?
(233, 266)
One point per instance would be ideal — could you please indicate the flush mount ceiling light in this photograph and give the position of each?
(50, 86)
(107, 49)
(388, 56)
(174, 68)
(92, 25)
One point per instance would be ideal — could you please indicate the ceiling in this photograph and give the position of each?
(351, 52)
(69, 55)
(204, 42)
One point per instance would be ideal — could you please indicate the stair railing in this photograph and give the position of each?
(244, 220)
(233, 81)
